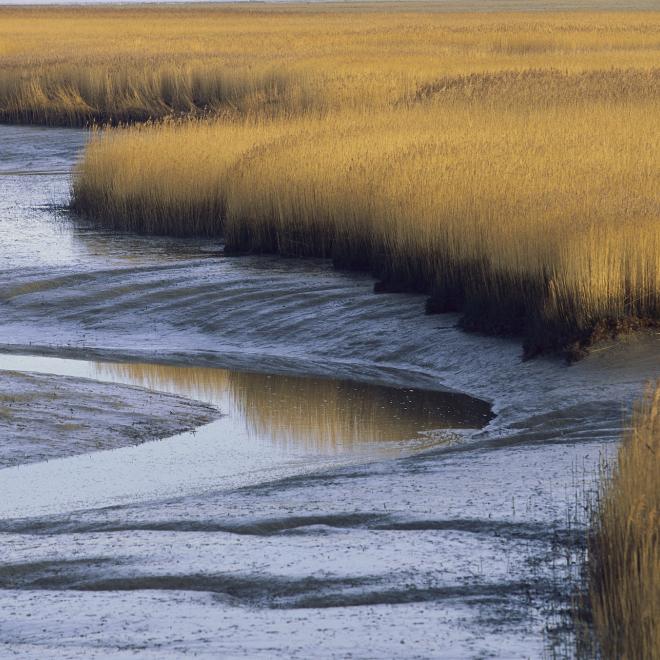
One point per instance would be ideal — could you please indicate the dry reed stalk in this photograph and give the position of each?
(624, 546)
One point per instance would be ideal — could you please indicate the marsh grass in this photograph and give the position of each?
(504, 163)
(66, 95)
(623, 567)
(114, 64)
(540, 221)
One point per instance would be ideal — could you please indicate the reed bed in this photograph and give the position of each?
(538, 220)
(65, 95)
(624, 545)
(504, 163)
(73, 66)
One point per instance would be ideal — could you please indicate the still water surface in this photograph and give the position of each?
(271, 426)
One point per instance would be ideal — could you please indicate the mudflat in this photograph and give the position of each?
(44, 417)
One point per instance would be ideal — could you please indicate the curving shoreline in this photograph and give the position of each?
(506, 166)
(451, 547)
(529, 248)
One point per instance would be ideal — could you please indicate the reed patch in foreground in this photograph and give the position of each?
(624, 544)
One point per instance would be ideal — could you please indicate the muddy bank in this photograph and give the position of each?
(450, 551)
(45, 417)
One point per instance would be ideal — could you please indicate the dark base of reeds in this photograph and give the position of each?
(486, 306)
(577, 345)
(99, 118)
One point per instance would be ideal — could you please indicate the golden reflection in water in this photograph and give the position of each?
(321, 414)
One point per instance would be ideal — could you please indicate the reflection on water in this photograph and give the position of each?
(293, 413)
(324, 414)
(274, 427)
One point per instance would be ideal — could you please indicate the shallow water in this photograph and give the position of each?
(272, 427)
(331, 537)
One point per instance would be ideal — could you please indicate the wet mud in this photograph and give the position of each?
(285, 535)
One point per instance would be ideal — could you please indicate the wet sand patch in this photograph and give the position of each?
(44, 417)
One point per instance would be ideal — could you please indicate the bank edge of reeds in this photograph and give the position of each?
(526, 222)
(112, 95)
(618, 614)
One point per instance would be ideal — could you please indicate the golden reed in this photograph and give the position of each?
(68, 65)
(507, 164)
(624, 545)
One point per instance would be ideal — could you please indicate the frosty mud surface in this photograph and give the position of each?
(42, 417)
(271, 427)
(456, 551)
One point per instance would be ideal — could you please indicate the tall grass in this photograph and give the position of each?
(67, 65)
(540, 220)
(505, 163)
(66, 95)
(624, 546)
